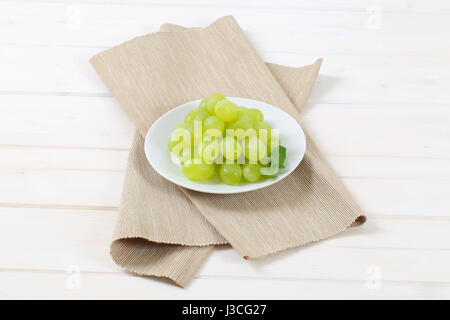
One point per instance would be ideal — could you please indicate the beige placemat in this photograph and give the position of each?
(167, 231)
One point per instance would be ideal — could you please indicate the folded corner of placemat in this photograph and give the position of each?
(178, 263)
(300, 81)
(159, 232)
(155, 234)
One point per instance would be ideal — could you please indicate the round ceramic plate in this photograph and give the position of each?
(291, 137)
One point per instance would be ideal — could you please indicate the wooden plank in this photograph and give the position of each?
(54, 239)
(376, 195)
(390, 167)
(320, 262)
(58, 176)
(367, 31)
(42, 285)
(65, 121)
(18, 158)
(393, 79)
(379, 130)
(88, 188)
(390, 80)
(435, 6)
(340, 130)
(400, 249)
(13, 158)
(401, 196)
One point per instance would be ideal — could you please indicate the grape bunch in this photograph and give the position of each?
(234, 142)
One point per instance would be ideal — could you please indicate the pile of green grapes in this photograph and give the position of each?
(233, 141)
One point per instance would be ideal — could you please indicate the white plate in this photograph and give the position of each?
(291, 137)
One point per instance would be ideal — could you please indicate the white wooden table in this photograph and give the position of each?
(380, 111)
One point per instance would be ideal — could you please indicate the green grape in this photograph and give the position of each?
(176, 143)
(265, 134)
(231, 148)
(272, 142)
(239, 134)
(172, 143)
(187, 154)
(202, 115)
(210, 102)
(212, 122)
(261, 125)
(217, 168)
(255, 150)
(243, 111)
(243, 122)
(263, 131)
(175, 146)
(197, 171)
(202, 105)
(187, 126)
(230, 173)
(191, 115)
(226, 110)
(212, 133)
(257, 115)
(210, 150)
(249, 138)
(251, 172)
